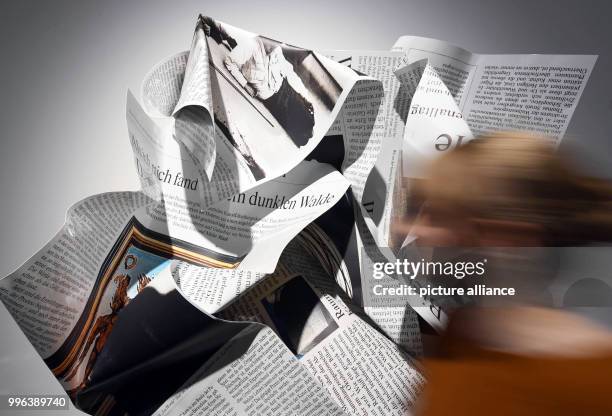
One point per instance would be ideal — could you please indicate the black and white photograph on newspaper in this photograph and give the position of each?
(284, 95)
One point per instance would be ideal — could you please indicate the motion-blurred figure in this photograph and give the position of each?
(518, 359)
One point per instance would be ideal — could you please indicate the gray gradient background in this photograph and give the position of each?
(66, 67)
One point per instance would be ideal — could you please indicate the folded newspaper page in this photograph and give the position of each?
(537, 93)
(236, 280)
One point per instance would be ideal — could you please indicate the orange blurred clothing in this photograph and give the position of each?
(470, 380)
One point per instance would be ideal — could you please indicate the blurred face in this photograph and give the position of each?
(448, 232)
(499, 191)
(470, 231)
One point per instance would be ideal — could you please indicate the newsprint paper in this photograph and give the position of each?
(232, 282)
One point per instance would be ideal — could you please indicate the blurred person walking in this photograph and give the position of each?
(515, 191)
